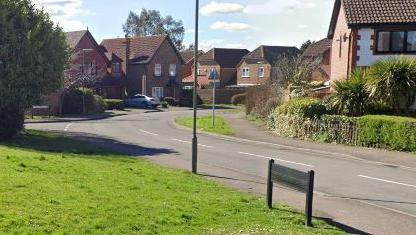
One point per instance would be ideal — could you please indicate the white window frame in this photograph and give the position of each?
(245, 73)
(157, 92)
(116, 67)
(172, 70)
(261, 72)
(158, 70)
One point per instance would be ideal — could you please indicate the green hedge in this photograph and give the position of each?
(391, 132)
(303, 107)
(114, 104)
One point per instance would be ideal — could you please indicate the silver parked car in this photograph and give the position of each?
(142, 101)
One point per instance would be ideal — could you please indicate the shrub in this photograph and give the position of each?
(170, 101)
(391, 132)
(238, 99)
(164, 104)
(304, 108)
(257, 96)
(351, 97)
(11, 122)
(114, 104)
(393, 81)
(73, 102)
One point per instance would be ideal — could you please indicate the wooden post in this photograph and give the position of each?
(309, 199)
(270, 185)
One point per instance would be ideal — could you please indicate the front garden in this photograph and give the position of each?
(372, 108)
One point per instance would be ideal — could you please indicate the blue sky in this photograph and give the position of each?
(223, 23)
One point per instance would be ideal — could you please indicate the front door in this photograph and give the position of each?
(157, 92)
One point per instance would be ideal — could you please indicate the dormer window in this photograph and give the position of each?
(261, 72)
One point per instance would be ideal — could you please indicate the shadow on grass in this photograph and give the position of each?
(79, 143)
(75, 118)
(219, 106)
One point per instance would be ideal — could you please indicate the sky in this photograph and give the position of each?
(223, 23)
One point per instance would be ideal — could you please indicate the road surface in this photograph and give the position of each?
(362, 197)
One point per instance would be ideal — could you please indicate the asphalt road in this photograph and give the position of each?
(363, 197)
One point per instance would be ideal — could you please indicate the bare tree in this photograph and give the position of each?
(295, 72)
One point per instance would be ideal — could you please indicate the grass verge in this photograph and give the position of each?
(50, 184)
(205, 124)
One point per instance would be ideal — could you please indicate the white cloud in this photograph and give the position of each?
(221, 8)
(231, 27)
(277, 6)
(208, 45)
(302, 26)
(65, 12)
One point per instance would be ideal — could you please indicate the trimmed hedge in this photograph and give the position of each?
(72, 103)
(303, 107)
(114, 104)
(391, 132)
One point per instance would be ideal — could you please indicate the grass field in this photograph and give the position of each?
(50, 184)
(205, 124)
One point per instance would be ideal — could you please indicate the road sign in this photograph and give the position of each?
(295, 179)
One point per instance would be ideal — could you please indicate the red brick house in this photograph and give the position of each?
(152, 65)
(88, 57)
(222, 60)
(257, 66)
(364, 31)
(188, 58)
(320, 50)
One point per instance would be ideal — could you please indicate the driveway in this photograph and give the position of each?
(360, 195)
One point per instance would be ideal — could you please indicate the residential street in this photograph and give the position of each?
(363, 196)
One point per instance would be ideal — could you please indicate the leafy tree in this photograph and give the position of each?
(150, 22)
(33, 57)
(393, 82)
(305, 45)
(351, 97)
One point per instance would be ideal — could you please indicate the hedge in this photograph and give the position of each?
(73, 102)
(303, 107)
(114, 104)
(391, 132)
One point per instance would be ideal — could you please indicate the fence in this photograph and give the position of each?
(327, 129)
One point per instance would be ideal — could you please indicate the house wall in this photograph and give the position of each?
(366, 47)
(187, 69)
(228, 77)
(254, 78)
(340, 53)
(165, 56)
(95, 55)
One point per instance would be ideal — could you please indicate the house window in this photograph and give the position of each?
(158, 70)
(396, 41)
(157, 92)
(89, 68)
(261, 72)
(172, 70)
(116, 67)
(246, 72)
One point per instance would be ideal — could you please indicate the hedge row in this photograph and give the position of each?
(390, 132)
(114, 104)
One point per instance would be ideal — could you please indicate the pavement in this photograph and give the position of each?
(362, 191)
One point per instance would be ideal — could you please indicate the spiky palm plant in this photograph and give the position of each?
(351, 97)
(393, 82)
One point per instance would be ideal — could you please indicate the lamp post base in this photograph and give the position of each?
(194, 154)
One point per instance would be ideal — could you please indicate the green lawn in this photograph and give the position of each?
(50, 184)
(205, 124)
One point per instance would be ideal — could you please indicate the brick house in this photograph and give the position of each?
(364, 31)
(152, 63)
(188, 58)
(257, 66)
(320, 50)
(88, 57)
(224, 61)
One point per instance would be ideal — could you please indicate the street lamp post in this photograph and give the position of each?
(213, 76)
(195, 138)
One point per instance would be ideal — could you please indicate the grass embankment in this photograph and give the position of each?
(50, 184)
(205, 124)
